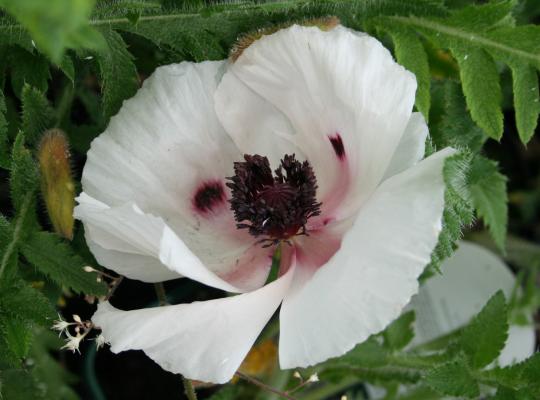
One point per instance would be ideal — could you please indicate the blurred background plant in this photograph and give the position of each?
(67, 65)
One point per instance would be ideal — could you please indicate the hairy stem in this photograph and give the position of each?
(189, 389)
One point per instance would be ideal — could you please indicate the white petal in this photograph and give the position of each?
(324, 83)
(411, 147)
(372, 277)
(164, 144)
(126, 229)
(206, 340)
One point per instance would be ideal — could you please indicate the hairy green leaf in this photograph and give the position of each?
(24, 177)
(16, 335)
(488, 191)
(56, 259)
(28, 68)
(454, 379)
(37, 114)
(24, 302)
(451, 124)
(119, 79)
(526, 100)
(411, 54)
(484, 338)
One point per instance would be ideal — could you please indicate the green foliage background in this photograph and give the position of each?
(69, 64)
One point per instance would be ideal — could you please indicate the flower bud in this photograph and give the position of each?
(324, 24)
(57, 185)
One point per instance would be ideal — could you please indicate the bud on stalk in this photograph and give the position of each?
(57, 185)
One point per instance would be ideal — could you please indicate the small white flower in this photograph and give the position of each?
(88, 269)
(73, 342)
(297, 375)
(316, 133)
(100, 341)
(314, 378)
(77, 319)
(60, 325)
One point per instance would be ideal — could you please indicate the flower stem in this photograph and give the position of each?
(189, 389)
(264, 386)
(160, 293)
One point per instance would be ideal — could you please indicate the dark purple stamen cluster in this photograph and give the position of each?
(275, 207)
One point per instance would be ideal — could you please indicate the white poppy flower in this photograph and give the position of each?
(360, 212)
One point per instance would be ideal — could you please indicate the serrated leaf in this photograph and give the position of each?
(411, 54)
(23, 301)
(483, 95)
(119, 79)
(458, 211)
(24, 178)
(526, 100)
(484, 338)
(400, 332)
(37, 114)
(488, 192)
(28, 68)
(17, 335)
(51, 29)
(55, 258)
(4, 154)
(451, 124)
(454, 379)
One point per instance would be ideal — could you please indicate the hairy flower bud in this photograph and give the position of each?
(56, 182)
(243, 42)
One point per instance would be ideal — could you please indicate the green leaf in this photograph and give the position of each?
(56, 24)
(24, 177)
(19, 384)
(368, 354)
(400, 332)
(119, 79)
(458, 211)
(36, 115)
(23, 301)
(451, 124)
(4, 155)
(28, 69)
(411, 54)
(484, 338)
(488, 191)
(56, 259)
(483, 95)
(16, 335)
(454, 379)
(48, 372)
(526, 102)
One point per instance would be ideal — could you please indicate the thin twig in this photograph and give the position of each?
(114, 286)
(264, 386)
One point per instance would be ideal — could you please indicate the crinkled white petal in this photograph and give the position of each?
(206, 340)
(165, 144)
(411, 147)
(372, 277)
(126, 229)
(323, 83)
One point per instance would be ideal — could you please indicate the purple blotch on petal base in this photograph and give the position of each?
(209, 195)
(337, 144)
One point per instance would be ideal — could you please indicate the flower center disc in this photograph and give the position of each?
(273, 206)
